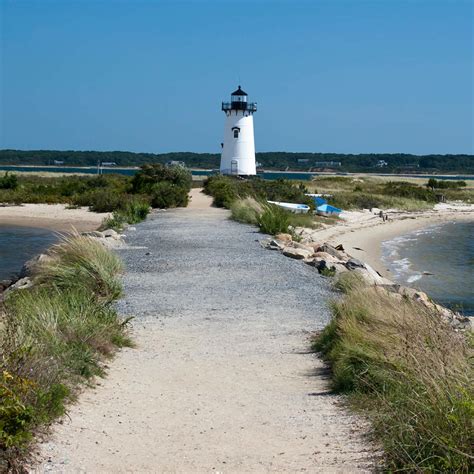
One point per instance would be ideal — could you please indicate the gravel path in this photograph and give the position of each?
(221, 379)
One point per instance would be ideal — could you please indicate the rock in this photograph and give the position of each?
(284, 237)
(21, 284)
(30, 266)
(4, 284)
(299, 245)
(314, 245)
(94, 233)
(111, 234)
(331, 251)
(272, 244)
(298, 254)
(353, 263)
(327, 257)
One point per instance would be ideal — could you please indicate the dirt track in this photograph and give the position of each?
(221, 379)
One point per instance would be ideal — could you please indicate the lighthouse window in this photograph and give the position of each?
(236, 133)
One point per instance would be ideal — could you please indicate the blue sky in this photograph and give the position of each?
(349, 76)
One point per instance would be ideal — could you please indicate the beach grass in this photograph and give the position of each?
(54, 337)
(408, 371)
(386, 193)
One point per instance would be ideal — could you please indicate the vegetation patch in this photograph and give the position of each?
(54, 337)
(409, 371)
(247, 199)
(371, 192)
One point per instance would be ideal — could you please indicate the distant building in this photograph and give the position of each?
(381, 164)
(109, 163)
(176, 163)
(303, 160)
(58, 162)
(327, 164)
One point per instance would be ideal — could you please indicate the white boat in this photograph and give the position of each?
(296, 208)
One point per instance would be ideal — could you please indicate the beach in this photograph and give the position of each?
(362, 233)
(56, 217)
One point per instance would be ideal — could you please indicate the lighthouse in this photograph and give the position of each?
(238, 149)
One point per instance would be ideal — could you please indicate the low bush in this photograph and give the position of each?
(227, 189)
(273, 220)
(149, 175)
(99, 200)
(409, 371)
(445, 184)
(8, 181)
(165, 195)
(54, 337)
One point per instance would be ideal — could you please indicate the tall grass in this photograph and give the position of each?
(54, 337)
(409, 371)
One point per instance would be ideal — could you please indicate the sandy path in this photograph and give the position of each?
(221, 379)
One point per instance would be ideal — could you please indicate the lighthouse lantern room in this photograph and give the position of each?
(238, 149)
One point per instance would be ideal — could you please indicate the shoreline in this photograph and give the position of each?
(55, 217)
(363, 233)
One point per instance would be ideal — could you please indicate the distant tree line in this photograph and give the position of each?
(383, 162)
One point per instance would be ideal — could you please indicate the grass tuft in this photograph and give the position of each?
(409, 371)
(54, 337)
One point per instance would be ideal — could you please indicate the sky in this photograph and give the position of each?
(343, 76)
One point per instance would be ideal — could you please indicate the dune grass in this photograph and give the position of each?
(385, 193)
(54, 337)
(409, 371)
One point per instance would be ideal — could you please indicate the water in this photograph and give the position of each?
(301, 176)
(438, 260)
(19, 244)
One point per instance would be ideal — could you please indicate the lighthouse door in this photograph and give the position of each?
(234, 167)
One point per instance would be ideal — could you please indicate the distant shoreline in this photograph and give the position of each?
(109, 169)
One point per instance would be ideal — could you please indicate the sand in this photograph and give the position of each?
(51, 216)
(363, 232)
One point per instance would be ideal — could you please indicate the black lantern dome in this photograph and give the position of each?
(238, 101)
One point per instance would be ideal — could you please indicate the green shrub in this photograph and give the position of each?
(445, 184)
(408, 371)
(99, 200)
(226, 189)
(165, 195)
(144, 181)
(8, 181)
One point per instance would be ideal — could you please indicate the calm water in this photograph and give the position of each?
(438, 260)
(19, 244)
(303, 176)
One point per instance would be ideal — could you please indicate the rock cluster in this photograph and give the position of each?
(333, 261)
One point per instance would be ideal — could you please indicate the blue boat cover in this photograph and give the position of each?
(328, 209)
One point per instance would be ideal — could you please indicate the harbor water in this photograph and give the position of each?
(438, 260)
(18, 244)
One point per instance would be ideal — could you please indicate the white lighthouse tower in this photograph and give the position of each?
(238, 149)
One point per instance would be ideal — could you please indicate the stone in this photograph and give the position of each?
(299, 245)
(110, 233)
(21, 284)
(327, 257)
(30, 266)
(331, 251)
(353, 263)
(94, 233)
(284, 237)
(298, 254)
